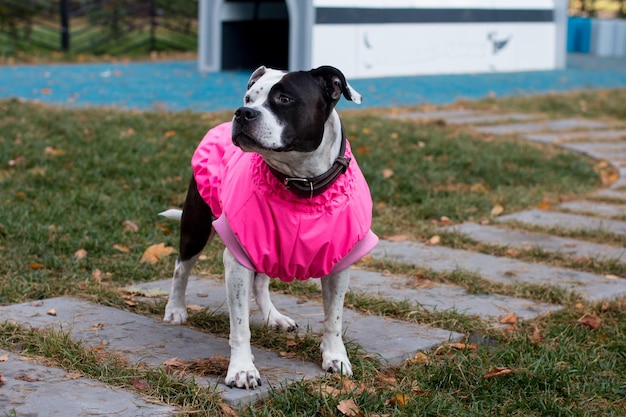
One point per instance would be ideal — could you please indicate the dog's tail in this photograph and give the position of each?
(172, 214)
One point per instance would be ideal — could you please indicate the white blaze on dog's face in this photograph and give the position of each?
(286, 112)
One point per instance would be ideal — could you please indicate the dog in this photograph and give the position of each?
(280, 186)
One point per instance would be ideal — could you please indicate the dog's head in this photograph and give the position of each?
(286, 111)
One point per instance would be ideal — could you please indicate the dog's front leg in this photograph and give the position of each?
(241, 371)
(334, 355)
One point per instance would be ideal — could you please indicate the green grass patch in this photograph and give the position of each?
(79, 195)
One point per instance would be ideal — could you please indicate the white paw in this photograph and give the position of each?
(243, 376)
(175, 315)
(336, 360)
(337, 364)
(279, 321)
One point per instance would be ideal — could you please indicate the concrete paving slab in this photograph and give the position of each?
(498, 269)
(592, 207)
(372, 333)
(433, 115)
(552, 125)
(566, 221)
(33, 389)
(571, 136)
(610, 194)
(489, 118)
(524, 240)
(146, 340)
(599, 150)
(434, 296)
(459, 117)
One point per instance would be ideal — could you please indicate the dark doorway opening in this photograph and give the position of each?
(255, 33)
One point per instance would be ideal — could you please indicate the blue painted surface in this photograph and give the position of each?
(179, 86)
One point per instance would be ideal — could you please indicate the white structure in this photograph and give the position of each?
(379, 38)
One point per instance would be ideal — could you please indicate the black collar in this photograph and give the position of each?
(311, 187)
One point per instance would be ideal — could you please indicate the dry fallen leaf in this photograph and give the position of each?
(399, 400)
(155, 253)
(495, 372)
(420, 357)
(510, 318)
(27, 378)
(590, 321)
(80, 254)
(4, 357)
(458, 346)
(227, 410)
(497, 210)
(328, 391)
(537, 336)
(52, 151)
(73, 375)
(435, 240)
(140, 384)
(387, 173)
(130, 226)
(349, 408)
(2, 381)
(35, 265)
(121, 248)
(51, 312)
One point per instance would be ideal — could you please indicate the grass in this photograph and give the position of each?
(94, 179)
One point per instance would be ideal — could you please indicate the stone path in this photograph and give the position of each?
(151, 342)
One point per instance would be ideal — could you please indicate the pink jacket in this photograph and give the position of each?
(268, 228)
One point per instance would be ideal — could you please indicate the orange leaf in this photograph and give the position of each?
(170, 133)
(399, 400)
(590, 321)
(497, 210)
(155, 253)
(510, 318)
(537, 336)
(435, 240)
(495, 372)
(349, 408)
(36, 265)
(121, 248)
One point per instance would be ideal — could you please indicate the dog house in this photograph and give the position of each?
(379, 38)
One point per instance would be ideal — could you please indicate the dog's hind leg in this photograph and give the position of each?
(195, 232)
(270, 314)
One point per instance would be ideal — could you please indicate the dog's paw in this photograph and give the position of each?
(279, 321)
(247, 377)
(337, 363)
(175, 315)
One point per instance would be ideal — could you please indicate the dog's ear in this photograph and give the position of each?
(334, 83)
(258, 73)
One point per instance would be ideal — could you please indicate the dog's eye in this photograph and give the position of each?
(283, 99)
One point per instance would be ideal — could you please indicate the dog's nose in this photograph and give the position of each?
(246, 114)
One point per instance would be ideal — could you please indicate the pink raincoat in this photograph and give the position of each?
(271, 230)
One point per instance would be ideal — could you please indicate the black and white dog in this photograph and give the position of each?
(280, 187)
